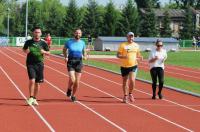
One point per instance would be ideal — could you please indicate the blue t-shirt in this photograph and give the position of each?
(75, 48)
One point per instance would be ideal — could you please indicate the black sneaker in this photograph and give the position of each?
(69, 92)
(160, 96)
(153, 97)
(73, 98)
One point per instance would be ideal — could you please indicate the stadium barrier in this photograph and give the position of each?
(19, 41)
(59, 41)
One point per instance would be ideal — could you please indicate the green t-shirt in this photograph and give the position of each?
(35, 55)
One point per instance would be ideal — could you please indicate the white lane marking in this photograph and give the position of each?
(21, 93)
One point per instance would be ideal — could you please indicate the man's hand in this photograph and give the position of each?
(84, 57)
(65, 59)
(45, 52)
(26, 51)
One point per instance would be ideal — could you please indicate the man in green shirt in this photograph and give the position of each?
(35, 49)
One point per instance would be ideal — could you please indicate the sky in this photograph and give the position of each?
(118, 3)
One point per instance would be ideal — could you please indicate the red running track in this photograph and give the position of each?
(101, 92)
(173, 71)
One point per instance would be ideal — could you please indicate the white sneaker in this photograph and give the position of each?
(125, 99)
(30, 101)
(35, 102)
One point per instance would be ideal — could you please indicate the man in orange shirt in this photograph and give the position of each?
(129, 54)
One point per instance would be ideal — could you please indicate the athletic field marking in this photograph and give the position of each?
(21, 93)
(121, 84)
(90, 109)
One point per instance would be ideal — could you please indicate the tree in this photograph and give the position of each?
(166, 31)
(129, 20)
(185, 3)
(93, 19)
(110, 20)
(16, 27)
(34, 15)
(71, 20)
(188, 25)
(147, 3)
(56, 21)
(148, 27)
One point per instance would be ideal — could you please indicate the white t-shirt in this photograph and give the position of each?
(162, 55)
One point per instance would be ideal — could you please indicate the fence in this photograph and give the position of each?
(19, 41)
(185, 43)
(59, 41)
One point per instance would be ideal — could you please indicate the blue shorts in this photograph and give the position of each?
(126, 70)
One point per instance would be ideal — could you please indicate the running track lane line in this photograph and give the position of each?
(90, 109)
(144, 110)
(36, 111)
(135, 89)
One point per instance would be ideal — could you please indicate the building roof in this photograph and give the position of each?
(138, 39)
(172, 12)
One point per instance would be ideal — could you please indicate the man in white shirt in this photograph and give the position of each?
(156, 62)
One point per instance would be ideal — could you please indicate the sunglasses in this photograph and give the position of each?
(159, 45)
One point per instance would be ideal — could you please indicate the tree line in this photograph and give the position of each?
(59, 20)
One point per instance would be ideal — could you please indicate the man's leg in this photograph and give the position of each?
(31, 87)
(76, 83)
(70, 86)
(31, 91)
(131, 85)
(125, 88)
(37, 87)
(131, 82)
(71, 82)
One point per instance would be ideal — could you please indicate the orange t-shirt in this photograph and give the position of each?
(132, 51)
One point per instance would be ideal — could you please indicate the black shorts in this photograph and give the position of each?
(75, 64)
(35, 71)
(126, 70)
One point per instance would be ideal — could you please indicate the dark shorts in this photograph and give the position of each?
(35, 71)
(126, 70)
(75, 64)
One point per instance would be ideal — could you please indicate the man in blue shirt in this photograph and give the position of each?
(74, 51)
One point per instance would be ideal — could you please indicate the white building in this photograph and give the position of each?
(146, 43)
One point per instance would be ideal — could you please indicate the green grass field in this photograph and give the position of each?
(169, 81)
(182, 58)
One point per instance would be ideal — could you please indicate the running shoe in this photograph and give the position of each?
(131, 98)
(30, 101)
(73, 98)
(125, 99)
(160, 96)
(35, 102)
(69, 92)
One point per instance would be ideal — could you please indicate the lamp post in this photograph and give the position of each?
(26, 34)
(8, 26)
